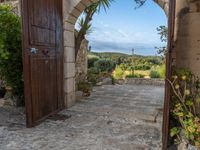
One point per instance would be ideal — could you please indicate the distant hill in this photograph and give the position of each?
(140, 62)
(115, 54)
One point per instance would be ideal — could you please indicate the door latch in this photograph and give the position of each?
(34, 50)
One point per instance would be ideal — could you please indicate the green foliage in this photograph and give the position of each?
(154, 74)
(118, 73)
(127, 62)
(174, 131)
(113, 80)
(91, 60)
(92, 75)
(136, 75)
(104, 65)
(11, 67)
(161, 70)
(87, 27)
(93, 70)
(186, 102)
(142, 67)
(157, 71)
(163, 32)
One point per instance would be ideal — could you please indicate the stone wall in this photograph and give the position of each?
(187, 41)
(154, 82)
(82, 62)
(71, 11)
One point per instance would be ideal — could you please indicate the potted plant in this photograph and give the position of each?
(185, 109)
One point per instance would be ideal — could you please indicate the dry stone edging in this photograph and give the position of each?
(143, 81)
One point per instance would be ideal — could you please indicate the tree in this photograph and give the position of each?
(11, 67)
(85, 22)
(163, 32)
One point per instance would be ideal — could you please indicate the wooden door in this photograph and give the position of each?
(43, 58)
(169, 60)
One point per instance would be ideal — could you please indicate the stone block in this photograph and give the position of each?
(68, 26)
(69, 70)
(69, 39)
(69, 55)
(70, 99)
(69, 86)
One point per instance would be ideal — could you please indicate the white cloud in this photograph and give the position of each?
(105, 32)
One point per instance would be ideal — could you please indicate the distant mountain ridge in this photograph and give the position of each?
(117, 54)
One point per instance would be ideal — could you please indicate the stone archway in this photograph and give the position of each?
(71, 12)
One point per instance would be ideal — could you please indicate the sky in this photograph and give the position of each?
(123, 27)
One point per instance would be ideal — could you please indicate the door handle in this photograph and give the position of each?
(34, 50)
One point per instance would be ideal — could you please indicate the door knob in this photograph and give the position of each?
(34, 50)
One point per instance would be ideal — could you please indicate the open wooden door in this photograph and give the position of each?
(169, 60)
(43, 58)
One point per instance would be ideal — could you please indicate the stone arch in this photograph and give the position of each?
(72, 9)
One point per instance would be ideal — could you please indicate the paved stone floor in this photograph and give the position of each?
(120, 117)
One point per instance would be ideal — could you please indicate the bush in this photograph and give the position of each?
(11, 67)
(118, 73)
(93, 70)
(142, 67)
(162, 71)
(91, 60)
(154, 74)
(104, 65)
(92, 75)
(135, 76)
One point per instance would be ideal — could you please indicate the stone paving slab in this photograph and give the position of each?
(113, 118)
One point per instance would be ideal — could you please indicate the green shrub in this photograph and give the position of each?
(159, 70)
(113, 80)
(154, 74)
(11, 67)
(118, 73)
(92, 75)
(162, 71)
(91, 60)
(93, 70)
(135, 76)
(104, 65)
(142, 67)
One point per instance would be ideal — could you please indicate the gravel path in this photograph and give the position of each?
(120, 117)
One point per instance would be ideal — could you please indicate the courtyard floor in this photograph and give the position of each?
(119, 117)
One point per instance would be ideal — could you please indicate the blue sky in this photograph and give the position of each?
(123, 27)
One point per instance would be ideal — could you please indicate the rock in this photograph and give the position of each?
(99, 84)
(120, 82)
(79, 95)
(107, 81)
